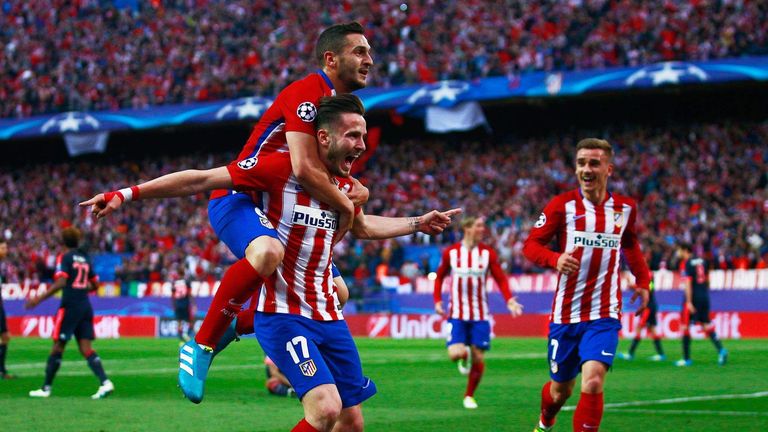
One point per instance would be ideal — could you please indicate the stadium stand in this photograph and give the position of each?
(89, 55)
(706, 184)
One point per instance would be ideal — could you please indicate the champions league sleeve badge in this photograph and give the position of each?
(249, 163)
(306, 112)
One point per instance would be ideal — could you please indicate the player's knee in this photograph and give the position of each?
(5, 338)
(265, 254)
(592, 385)
(327, 414)
(351, 423)
(560, 395)
(322, 406)
(58, 347)
(457, 353)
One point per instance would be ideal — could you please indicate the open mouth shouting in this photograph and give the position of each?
(346, 165)
(588, 179)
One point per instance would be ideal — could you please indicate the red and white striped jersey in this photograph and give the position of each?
(294, 110)
(597, 234)
(469, 277)
(302, 284)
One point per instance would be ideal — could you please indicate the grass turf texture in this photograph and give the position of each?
(419, 389)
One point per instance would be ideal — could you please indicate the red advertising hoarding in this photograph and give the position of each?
(729, 325)
(105, 326)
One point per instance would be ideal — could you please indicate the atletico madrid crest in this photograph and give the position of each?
(618, 219)
(308, 368)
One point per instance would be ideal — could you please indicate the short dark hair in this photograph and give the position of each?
(596, 143)
(685, 246)
(71, 237)
(333, 39)
(332, 107)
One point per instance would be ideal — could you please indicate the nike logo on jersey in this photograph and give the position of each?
(606, 353)
(577, 217)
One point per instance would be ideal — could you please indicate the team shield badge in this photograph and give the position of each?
(308, 368)
(618, 219)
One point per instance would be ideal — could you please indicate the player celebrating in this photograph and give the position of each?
(299, 322)
(648, 320)
(75, 316)
(592, 226)
(469, 262)
(696, 307)
(237, 218)
(4, 336)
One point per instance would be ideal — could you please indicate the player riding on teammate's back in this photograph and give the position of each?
(238, 218)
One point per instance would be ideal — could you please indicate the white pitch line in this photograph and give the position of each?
(439, 356)
(117, 367)
(680, 400)
(694, 412)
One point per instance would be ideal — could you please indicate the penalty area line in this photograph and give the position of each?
(679, 400)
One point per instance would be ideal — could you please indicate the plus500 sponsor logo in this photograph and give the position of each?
(314, 217)
(596, 240)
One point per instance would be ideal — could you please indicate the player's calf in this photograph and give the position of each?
(553, 397)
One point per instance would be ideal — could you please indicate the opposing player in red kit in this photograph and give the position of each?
(593, 227)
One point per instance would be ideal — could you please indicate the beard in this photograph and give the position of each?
(348, 74)
(336, 157)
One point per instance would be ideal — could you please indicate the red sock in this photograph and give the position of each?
(588, 413)
(304, 426)
(475, 373)
(549, 408)
(244, 325)
(237, 285)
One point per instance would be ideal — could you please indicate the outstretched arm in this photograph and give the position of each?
(177, 184)
(371, 227)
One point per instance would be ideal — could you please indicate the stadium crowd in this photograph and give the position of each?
(155, 236)
(89, 55)
(703, 184)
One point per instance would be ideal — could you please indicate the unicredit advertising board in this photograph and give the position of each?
(730, 325)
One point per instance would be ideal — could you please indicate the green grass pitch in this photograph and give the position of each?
(419, 390)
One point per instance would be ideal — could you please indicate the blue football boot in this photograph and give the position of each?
(194, 361)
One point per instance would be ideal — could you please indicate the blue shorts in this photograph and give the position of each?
(237, 220)
(334, 271)
(311, 353)
(570, 345)
(476, 333)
